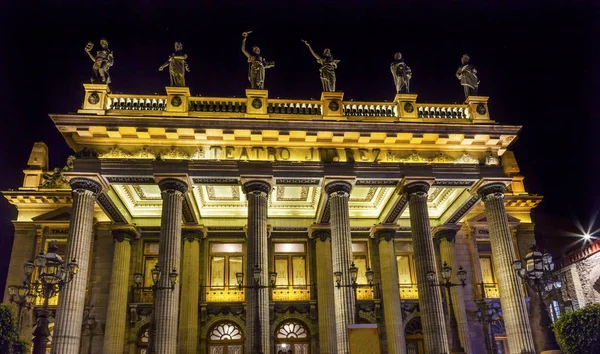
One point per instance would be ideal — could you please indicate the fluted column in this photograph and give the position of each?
(514, 309)
(341, 247)
(392, 308)
(257, 193)
(430, 298)
(169, 258)
(69, 314)
(325, 292)
(190, 287)
(116, 312)
(446, 236)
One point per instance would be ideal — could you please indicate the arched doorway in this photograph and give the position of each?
(413, 333)
(292, 336)
(225, 338)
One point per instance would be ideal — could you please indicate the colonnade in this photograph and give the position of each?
(176, 318)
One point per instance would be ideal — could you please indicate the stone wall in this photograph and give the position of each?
(582, 281)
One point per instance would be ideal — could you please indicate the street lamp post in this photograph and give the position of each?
(536, 271)
(138, 279)
(354, 285)
(256, 273)
(21, 296)
(89, 325)
(462, 276)
(52, 275)
(488, 314)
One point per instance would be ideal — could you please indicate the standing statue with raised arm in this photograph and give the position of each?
(327, 70)
(402, 74)
(103, 61)
(467, 75)
(256, 65)
(177, 66)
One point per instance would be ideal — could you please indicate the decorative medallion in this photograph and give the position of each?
(257, 103)
(93, 98)
(334, 106)
(176, 101)
(481, 109)
(408, 107)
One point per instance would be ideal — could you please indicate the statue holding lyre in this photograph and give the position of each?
(328, 67)
(177, 66)
(103, 61)
(256, 65)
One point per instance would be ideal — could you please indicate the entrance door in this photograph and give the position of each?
(225, 338)
(413, 332)
(292, 337)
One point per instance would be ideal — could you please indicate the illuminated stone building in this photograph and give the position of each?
(212, 187)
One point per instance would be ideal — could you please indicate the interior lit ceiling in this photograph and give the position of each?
(286, 200)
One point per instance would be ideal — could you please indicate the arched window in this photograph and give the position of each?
(226, 331)
(413, 332)
(292, 335)
(225, 338)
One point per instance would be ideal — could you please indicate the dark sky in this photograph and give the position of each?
(538, 62)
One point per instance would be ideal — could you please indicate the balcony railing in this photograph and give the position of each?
(257, 103)
(491, 290)
(223, 294)
(291, 293)
(409, 292)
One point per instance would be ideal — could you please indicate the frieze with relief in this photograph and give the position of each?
(240, 153)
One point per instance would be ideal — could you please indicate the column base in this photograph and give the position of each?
(552, 351)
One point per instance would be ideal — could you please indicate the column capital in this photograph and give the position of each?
(385, 234)
(126, 233)
(418, 188)
(256, 186)
(322, 235)
(337, 187)
(171, 185)
(193, 233)
(80, 184)
(447, 232)
(496, 188)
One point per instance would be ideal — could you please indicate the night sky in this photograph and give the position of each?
(538, 62)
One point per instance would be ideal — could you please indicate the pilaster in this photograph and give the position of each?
(514, 310)
(190, 289)
(114, 339)
(392, 308)
(446, 236)
(325, 292)
(69, 313)
(430, 298)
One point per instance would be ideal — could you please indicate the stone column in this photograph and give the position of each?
(392, 308)
(116, 313)
(69, 314)
(325, 292)
(514, 309)
(446, 236)
(169, 258)
(341, 247)
(190, 290)
(430, 298)
(257, 193)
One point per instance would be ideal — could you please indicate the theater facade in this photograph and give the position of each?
(242, 225)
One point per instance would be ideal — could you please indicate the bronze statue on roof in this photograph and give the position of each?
(467, 75)
(402, 74)
(103, 61)
(256, 65)
(327, 70)
(177, 66)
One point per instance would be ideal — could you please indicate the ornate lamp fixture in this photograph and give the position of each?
(462, 277)
(138, 280)
(51, 275)
(536, 271)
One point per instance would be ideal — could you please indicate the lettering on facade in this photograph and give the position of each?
(294, 154)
